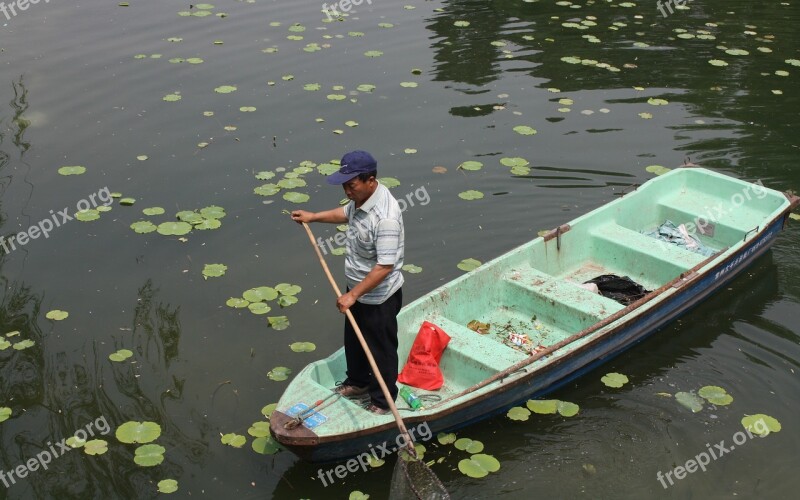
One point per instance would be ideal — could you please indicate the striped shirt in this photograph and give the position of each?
(375, 236)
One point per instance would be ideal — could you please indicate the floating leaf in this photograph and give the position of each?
(127, 201)
(174, 228)
(259, 429)
(214, 270)
(56, 315)
(259, 308)
(657, 169)
(524, 130)
(542, 406)
(567, 409)
(87, 215)
(233, 439)
(717, 62)
(470, 195)
(737, 52)
(389, 182)
(74, 442)
(260, 293)
(287, 300)
(439, 169)
(479, 465)
(171, 97)
(4, 344)
(225, 89)
(153, 211)
(291, 183)
(237, 302)
(373, 53)
(715, 395)
(5, 413)
(95, 447)
(138, 432)
(278, 322)
(76, 170)
(24, 344)
(142, 157)
(265, 445)
(365, 87)
(514, 162)
(120, 355)
(279, 373)
(461, 24)
(793, 62)
(471, 165)
(614, 379)
(469, 264)
(288, 289)
(412, 269)
(375, 462)
(351, 123)
(212, 212)
(357, 495)
(167, 486)
(446, 438)
(194, 60)
(149, 455)
(206, 224)
(265, 176)
(518, 413)
(761, 424)
(295, 197)
(302, 346)
(267, 410)
(267, 189)
(409, 84)
(690, 401)
(469, 445)
(657, 102)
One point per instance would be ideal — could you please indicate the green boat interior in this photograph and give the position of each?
(534, 292)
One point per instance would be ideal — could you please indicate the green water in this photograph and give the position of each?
(73, 92)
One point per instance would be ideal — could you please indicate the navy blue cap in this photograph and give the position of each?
(352, 164)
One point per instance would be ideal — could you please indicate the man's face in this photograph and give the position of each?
(359, 191)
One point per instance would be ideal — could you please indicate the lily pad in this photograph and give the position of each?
(469, 445)
(237, 303)
(5, 413)
(690, 400)
(23, 344)
(519, 413)
(171, 97)
(259, 429)
(167, 486)
(390, 182)
(268, 189)
(614, 379)
(470, 195)
(365, 87)
(409, 84)
(207, 224)
(57, 315)
(138, 432)
(260, 294)
(471, 165)
(567, 409)
(214, 270)
(76, 170)
(87, 215)
(127, 201)
(212, 212)
(153, 211)
(287, 300)
(302, 346)
(279, 373)
(291, 183)
(268, 409)
(373, 53)
(657, 102)
(174, 228)
(412, 269)
(295, 197)
(657, 169)
(120, 355)
(715, 395)
(543, 406)
(278, 322)
(259, 308)
(479, 465)
(225, 89)
(761, 424)
(514, 162)
(95, 447)
(265, 445)
(149, 455)
(189, 216)
(233, 439)
(446, 438)
(247, 109)
(287, 289)
(461, 24)
(717, 62)
(469, 264)
(524, 130)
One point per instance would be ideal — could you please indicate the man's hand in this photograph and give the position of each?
(344, 302)
(301, 216)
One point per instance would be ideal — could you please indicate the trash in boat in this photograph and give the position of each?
(518, 339)
(679, 236)
(620, 288)
(477, 326)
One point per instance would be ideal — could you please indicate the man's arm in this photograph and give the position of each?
(334, 216)
(370, 281)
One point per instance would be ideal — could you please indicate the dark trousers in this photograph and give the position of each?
(378, 324)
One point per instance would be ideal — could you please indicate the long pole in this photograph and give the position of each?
(364, 345)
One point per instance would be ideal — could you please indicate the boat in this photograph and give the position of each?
(546, 326)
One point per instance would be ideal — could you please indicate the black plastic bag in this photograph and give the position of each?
(620, 288)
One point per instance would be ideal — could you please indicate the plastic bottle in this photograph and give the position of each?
(410, 398)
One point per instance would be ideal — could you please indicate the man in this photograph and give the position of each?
(373, 258)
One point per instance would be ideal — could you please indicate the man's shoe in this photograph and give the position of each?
(376, 409)
(350, 391)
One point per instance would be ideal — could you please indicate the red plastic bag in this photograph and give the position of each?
(422, 366)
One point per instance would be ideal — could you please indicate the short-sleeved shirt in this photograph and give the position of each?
(375, 236)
